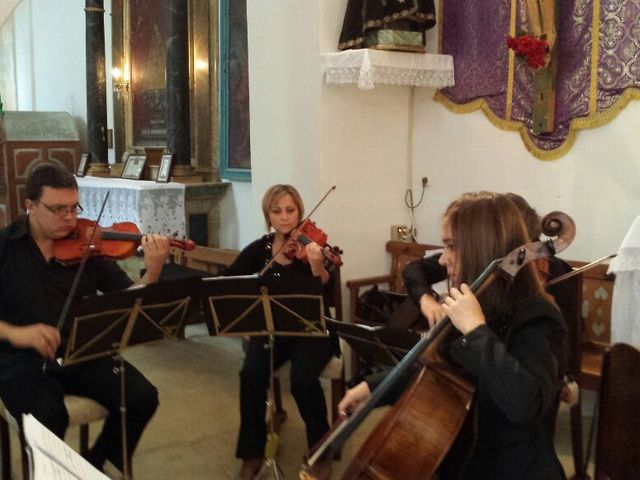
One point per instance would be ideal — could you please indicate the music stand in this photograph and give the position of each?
(376, 345)
(266, 306)
(104, 325)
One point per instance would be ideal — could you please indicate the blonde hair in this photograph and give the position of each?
(275, 193)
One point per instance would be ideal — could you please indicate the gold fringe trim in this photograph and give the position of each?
(598, 119)
(512, 61)
(593, 120)
(595, 49)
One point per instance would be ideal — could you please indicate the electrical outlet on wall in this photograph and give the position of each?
(400, 233)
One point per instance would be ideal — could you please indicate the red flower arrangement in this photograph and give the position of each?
(534, 50)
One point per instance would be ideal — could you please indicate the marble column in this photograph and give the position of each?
(96, 87)
(178, 127)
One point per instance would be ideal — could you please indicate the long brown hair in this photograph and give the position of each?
(486, 226)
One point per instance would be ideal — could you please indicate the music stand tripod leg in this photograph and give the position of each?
(273, 439)
(126, 467)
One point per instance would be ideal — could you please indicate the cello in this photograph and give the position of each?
(432, 411)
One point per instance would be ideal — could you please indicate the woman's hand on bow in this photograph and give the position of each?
(354, 397)
(431, 309)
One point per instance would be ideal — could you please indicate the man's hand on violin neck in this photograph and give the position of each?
(44, 339)
(156, 252)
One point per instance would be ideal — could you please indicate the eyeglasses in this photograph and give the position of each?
(62, 210)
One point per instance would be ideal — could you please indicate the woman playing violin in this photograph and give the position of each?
(33, 291)
(512, 344)
(283, 209)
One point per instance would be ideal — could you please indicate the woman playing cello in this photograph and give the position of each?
(512, 344)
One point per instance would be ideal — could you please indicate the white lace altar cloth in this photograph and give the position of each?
(625, 307)
(154, 207)
(368, 67)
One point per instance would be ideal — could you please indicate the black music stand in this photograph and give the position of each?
(104, 325)
(266, 306)
(378, 346)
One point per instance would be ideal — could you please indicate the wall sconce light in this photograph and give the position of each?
(120, 81)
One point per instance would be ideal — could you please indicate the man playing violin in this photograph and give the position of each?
(283, 209)
(33, 290)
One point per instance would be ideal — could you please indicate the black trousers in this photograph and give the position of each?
(30, 390)
(308, 358)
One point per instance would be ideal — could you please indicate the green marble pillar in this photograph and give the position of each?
(178, 123)
(96, 82)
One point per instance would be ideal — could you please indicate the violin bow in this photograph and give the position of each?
(554, 224)
(273, 257)
(83, 261)
(578, 271)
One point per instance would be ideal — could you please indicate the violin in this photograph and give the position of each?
(309, 232)
(116, 242)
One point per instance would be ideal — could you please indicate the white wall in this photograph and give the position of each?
(50, 59)
(361, 146)
(314, 135)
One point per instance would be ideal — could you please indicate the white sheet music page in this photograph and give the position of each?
(51, 458)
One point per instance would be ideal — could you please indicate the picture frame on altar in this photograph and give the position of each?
(134, 166)
(84, 163)
(165, 168)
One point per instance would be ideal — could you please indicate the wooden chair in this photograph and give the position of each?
(207, 259)
(401, 254)
(595, 310)
(617, 446)
(82, 411)
(586, 309)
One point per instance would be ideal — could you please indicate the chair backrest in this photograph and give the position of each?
(208, 259)
(337, 294)
(401, 254)
(617, 445)
(597, 293)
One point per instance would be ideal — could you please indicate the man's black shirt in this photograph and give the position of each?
(33, 290)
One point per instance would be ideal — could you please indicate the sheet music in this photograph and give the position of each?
(51, 458)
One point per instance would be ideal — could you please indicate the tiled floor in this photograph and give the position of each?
(193, 434)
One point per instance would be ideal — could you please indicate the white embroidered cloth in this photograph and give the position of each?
(625, 307)
(368, 67)
(154, 207)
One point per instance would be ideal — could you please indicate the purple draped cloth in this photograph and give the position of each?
(475, 33)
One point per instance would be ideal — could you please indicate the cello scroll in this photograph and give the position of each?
(555, 224)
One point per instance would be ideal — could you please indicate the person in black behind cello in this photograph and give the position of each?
(419, 276)
(283, 209)
(33, 290)
(512, 344)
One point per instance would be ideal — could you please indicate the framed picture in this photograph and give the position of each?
(133, 167)
(165, 168)
(84, 163)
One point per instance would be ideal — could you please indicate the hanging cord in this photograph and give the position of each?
(408, 195)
